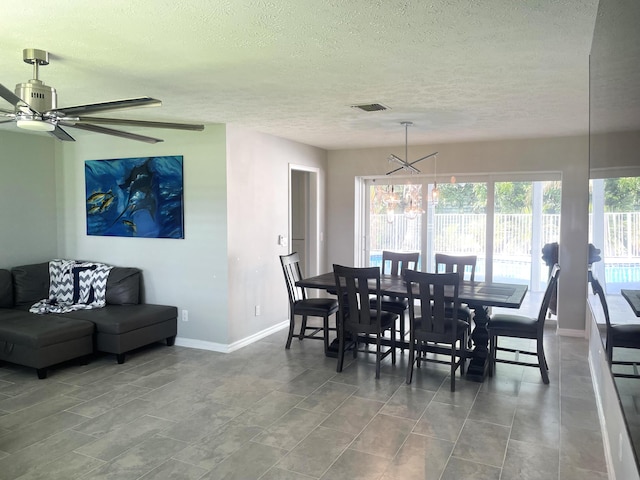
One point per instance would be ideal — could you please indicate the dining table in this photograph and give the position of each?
(480, 296)
(633, 297)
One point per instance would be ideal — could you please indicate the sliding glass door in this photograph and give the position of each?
(504, 222)
(459, 223)
(394, 220)
(526, 217)
(615, 231)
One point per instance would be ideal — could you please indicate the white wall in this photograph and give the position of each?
(569, 156)
(190, 273)
(258, 211)
(28, 199)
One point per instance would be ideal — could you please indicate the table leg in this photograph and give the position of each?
(478, 365)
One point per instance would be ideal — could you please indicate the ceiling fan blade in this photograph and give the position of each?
(10, 97)
(7, 121)
(107, 106)
(116, 133)
(60, 134)
(135, 123)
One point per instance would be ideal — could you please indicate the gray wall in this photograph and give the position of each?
(190, 273)
(258, 212)
(568, 156)
(28, 204)
(236, 205)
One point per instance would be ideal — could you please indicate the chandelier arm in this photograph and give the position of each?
(424, 158)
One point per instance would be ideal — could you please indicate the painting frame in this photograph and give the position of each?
(140, 197)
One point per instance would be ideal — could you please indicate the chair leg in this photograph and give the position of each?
(303, 327)
(492, 354)
(402, 331)
(393, 344)
(453, 366)
(326, 333)
(355, 345)
(378, 348)
(411, 360)
(542, 362)
(292, 324)
(340, 349)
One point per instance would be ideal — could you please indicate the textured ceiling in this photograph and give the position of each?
(459, 69)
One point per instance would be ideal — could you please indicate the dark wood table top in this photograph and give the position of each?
(633, 297)
(508, 295)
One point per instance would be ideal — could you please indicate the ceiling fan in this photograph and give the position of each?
(404, 164)
(35, 108)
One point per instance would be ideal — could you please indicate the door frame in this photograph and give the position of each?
(312, 237)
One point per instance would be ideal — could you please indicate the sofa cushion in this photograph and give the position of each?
(30, 283)
(123, 286)
(118, 319)
(6, 289)
(31, 330)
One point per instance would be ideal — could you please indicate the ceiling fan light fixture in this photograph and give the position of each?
(35, 109)
(35, 125)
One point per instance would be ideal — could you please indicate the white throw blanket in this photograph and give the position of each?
(74, 286)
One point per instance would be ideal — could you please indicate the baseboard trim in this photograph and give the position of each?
(597, 388)
(228, 348)
(569, 332)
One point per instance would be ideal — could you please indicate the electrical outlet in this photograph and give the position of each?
(185, 315)
(257, 310)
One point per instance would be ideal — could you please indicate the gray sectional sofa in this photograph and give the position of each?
(41, 341)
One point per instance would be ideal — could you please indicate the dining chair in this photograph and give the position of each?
(430, 326)
(358, 317)
(625, 335)
(520, 326)
(394, 263)
(466, 266)
(305, 307)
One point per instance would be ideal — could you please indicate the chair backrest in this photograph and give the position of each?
(548, 293)
(599, 291)
(291, 268)
(433, 294)
(394, 263)
(354, 294)
(466, 264)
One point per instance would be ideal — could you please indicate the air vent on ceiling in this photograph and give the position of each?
(371, 107)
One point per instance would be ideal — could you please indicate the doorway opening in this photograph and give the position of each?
(304, 217)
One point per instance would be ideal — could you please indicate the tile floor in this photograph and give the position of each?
(266, 413)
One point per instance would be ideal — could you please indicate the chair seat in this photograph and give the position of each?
(387, 319)
(316, 307)
(625, 335)
(518, 324)
(446, 335)
(464, 312)
(391, 304)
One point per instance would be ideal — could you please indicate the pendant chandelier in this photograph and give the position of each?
(404, 164)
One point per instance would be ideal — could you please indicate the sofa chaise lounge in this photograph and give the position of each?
(41, 341)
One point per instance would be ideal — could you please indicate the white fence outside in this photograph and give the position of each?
(466, 234)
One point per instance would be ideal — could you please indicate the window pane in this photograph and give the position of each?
(459, 223)
(395, 219)
(527, 217)
(615, 230)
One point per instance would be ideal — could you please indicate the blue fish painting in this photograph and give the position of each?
(135, 197)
